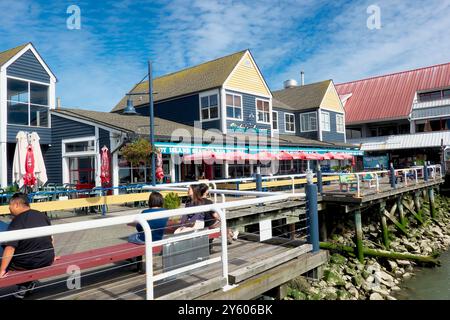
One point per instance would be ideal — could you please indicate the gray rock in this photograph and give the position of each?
(354, 292)
(376, 296)
(391, 298)
(370, 279)
(396, 288)
(381, 291)
(392, 265)
(407, 276)
(348, 285)
(403, 262)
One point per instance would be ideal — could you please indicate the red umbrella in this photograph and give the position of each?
(299, 155)
(338, 156)
(236, 156)
(201, 156)
(105, 176)
(29, 179)
(343, 156)
(328, 156)
(283, 155)
(314, 156)
(266, 156)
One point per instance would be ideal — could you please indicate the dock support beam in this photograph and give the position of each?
(384, 226)
(319, 179)
(401, 211)
(432, 203)
(359, 236)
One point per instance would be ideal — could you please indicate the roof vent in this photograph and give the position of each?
(290, 83)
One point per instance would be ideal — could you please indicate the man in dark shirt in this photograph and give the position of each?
(26, 254)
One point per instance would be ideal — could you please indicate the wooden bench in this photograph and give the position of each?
(84, 260)
(370, 180)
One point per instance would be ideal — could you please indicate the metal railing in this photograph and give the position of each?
(142, 219)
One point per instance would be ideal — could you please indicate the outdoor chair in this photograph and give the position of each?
(347, 180)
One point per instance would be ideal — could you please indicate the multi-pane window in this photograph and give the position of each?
(308, 121)
(289, 122)
(434, 95)
(27, 103)
(340, 127)
(275, 120)
(325, 120)
(209, 106)
(263, 111)
(234, 106)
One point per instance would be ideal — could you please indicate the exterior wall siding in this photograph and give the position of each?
(248, 107)
(28, 67)
(331, 100)
(430, 112)
(183, 110)
(332, 135)
(246, 78)
(281, 121)
(103, 139)
(62, 129)
(45, 134)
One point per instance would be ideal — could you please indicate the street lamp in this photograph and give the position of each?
(129, 110)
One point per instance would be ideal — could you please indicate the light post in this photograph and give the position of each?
(129, 110)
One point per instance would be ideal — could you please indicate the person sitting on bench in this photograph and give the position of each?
(27, 254)
(195, 221)
(158, 226)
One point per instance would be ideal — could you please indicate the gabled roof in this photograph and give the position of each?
(208, 75)
(126, 123)
(6, 55)
(304, 97)
(390, 97)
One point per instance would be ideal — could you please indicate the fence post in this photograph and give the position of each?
(258, 179)
(319, 179)
(311, 205)
(393, 185)
(425, 172)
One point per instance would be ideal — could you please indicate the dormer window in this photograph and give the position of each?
(28, 103)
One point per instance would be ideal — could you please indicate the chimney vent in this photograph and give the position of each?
(58, 103)
(302, 78)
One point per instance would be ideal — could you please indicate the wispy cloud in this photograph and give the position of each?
(96, 65)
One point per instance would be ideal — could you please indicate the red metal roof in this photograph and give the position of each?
(390, 96)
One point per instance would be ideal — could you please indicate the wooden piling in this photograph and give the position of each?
(384, 225)
(417, 203)
(432, 203)
(401, 211)
(359, 236)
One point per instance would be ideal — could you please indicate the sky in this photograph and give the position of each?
(98, 63)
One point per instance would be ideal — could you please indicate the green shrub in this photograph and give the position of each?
(172, 201)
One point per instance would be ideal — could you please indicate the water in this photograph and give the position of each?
(428, 283)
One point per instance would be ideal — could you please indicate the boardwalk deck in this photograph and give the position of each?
(247, 260)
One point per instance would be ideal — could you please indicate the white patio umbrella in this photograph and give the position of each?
(18, 168)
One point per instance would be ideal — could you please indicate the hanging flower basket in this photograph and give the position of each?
(138, 151)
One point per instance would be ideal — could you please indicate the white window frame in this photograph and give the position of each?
(285, 122)
(323, 115)
(278, 122)
(208, 94)
(29, 82)
(301, 121)
(226, 106)
(270, 111)
(340, 116)
(79, 153)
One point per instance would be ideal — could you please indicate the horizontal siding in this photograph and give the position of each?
(331, 100)
(246, 78)
(103, 139)
(45, 134)
(332, 135)
(183, 110)
(28, 67)
(62, 129)
(430, 112)
(248, 107)
(281, 122)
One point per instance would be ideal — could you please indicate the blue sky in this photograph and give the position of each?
(97, 64)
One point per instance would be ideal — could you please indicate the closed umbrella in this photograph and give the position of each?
(105, 176)
(28, 163)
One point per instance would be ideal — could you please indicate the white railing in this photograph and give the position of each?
(135, 216)
(431, 104)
